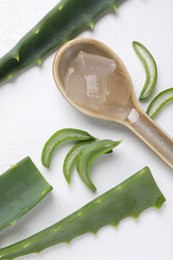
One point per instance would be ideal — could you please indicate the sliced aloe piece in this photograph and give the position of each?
(128, 199)
(63, 135)
(160, 101)
(71, 158)
(150, 69)
(88, 154)
(21, 188)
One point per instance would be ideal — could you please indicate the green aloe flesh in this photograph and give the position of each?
(128, 199)
(64, 22)
(71, 158)
(21, 188)
(150, 69)
(61, 136)
(159, 102)
(88, 154)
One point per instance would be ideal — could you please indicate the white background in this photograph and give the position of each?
(32, 109)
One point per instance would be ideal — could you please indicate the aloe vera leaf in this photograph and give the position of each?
(128, 199)
(88, 154)
(21, 188)
(63, 135)
(160, 101)
(150, 69)
(71, 158)
(65, 21)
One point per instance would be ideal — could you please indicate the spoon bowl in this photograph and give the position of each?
(68, 53)
(128, 113)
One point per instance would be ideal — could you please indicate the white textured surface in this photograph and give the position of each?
(32, 109)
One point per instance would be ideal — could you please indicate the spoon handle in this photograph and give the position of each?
(144, 127)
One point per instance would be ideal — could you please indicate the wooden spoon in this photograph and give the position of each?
(129, 114)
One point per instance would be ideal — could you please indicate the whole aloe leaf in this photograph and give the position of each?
(65, 21)
(128, 199)
(21, 188)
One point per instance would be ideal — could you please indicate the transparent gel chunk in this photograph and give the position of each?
(94, 64)
(98, 84)
(75, 86)
(84, 91)
(118, 90)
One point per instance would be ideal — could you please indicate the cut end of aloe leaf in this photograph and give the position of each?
(26, 187)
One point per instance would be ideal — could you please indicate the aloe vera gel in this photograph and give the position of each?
(98, 84)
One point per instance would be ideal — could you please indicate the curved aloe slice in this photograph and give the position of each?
(64, 22)
(88, 154)
(21, 188)
(150, 69)
(71, 158)
(63, 135)
(160, 101)
(128, 199)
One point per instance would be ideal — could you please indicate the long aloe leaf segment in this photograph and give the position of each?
(21, 188)
(65, 21)
(128, 199)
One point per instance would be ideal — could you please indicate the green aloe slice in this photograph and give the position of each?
(21, 188)
(71, 158)
(63, 135)
(128, 199)
(150, 69)
(88, 154)
(160, 101)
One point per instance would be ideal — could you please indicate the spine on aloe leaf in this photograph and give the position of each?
(65, 21)
(128, 199)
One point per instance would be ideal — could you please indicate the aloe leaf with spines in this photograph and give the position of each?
(21, 188)
(136, 194)
(88, 154)
(65, 21)
(61, 136)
